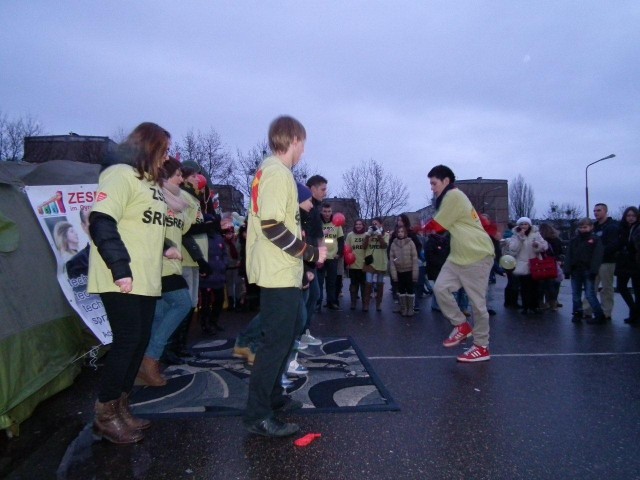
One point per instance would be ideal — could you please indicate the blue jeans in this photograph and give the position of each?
(171, 309)
(580, 280)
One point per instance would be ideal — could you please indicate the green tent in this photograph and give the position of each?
(41, 337)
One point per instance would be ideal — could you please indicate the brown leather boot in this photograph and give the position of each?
(127, 416)
(366, 298)
(379, 292)
(108, 424)
(149, 373)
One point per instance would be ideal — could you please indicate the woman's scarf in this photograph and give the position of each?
(172, 197)
(451, 186)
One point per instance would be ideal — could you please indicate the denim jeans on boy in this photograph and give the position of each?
(581, 279)
(171, 309)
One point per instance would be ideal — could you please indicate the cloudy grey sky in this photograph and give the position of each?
(491, 88)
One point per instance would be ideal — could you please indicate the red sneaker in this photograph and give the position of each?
(475, 354)
(458, 334)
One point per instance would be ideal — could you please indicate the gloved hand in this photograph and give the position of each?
(204, 267)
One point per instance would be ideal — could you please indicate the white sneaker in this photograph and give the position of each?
(285, 382)
(310, 339)
(296, 369)
(300, 345)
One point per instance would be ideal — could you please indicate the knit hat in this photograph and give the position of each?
(522, 220)
(303, 192)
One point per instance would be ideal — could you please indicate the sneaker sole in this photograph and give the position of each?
(458, 342)
(473, 360)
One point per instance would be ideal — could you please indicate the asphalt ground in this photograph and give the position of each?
(556, 400)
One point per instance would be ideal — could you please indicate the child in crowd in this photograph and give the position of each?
(582, 263)
(403, 265)
(212, 286)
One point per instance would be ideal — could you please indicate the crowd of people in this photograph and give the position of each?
(162, 252)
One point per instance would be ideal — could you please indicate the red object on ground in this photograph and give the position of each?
(306, 440)
(349, 258)
(338, 219)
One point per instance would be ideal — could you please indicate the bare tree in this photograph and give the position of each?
(207, 150)
(120, 135)
(378, 193)
(12, 134)
(563, 211)
(246, 166)
(521, 198)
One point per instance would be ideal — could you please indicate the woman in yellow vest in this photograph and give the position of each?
(127, 228)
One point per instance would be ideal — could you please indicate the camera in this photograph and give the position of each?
(374, 228)
(518, 229)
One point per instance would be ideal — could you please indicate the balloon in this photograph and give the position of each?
(338, 219)
(202, 181)
(507, 262)
(349, 258)
(347, 248)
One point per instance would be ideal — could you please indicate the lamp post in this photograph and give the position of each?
(586, 177)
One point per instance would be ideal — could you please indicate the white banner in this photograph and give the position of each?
(63, 213)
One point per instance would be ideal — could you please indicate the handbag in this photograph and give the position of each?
(544, 268)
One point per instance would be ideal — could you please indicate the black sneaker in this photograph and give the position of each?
(333, 306)
(272, 427)
(597, 320)
(288, 405)
(577, 317)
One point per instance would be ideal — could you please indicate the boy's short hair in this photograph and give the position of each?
(327, 205)
(316, 181)
(282, 131)
(585, 221)
(441, 172)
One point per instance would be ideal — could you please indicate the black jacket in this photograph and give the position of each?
(584, 254)
(608, 233)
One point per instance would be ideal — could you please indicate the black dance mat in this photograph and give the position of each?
(214, 383)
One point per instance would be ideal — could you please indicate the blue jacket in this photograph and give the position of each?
(218, 261)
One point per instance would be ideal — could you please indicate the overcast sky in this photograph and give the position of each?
(492, 89)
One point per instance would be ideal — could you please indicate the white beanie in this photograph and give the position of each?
(524, 220)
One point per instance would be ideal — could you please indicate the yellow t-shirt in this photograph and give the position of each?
(274, 196)
(177, 224)
(469, 241)
(356, 242)
(380, 259)
(331, 236)
(200, 238)
(138, 208)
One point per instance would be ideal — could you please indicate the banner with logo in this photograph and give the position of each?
(63, 214)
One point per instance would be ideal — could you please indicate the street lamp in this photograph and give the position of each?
(586, 178)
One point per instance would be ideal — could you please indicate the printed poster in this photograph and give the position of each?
(63, 214)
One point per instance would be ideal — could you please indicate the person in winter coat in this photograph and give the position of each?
(628, 262)
(403, 265)
(526, 243)
(582, 263)
(212, 286)
(551, 287)
(127, 228)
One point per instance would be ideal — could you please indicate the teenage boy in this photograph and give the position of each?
(314, 236)
(468, 264)
(582, 263)
(275, 253)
